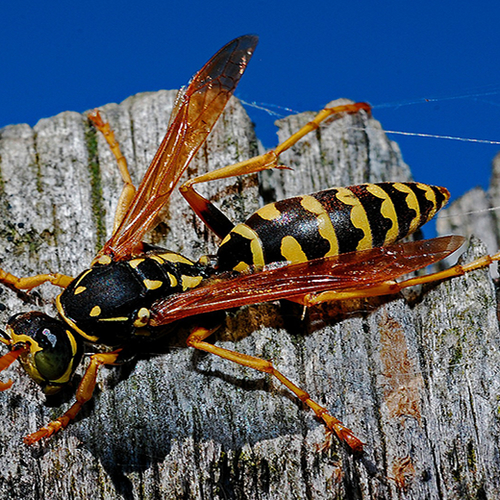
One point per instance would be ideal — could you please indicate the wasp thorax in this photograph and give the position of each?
(54, 352)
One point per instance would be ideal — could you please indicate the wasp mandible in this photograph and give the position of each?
(336, 244)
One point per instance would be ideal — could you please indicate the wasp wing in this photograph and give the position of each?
(197, 109)
(345, 272)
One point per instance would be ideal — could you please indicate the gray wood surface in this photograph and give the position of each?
(415, 376)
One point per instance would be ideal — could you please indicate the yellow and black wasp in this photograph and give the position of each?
(332, 245)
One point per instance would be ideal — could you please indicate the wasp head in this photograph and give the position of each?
(45, 347)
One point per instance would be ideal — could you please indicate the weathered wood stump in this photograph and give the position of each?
(416, 376)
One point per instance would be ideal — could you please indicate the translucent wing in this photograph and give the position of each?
(349, 271)
(197, 109)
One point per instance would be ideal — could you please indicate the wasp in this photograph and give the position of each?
(337, 244)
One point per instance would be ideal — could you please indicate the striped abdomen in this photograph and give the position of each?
(330, 222)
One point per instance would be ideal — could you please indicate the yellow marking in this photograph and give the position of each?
(82, 276)
(190, 281)
(29, 365)
(117, 318)
(387, 210)
(103, 259)
(257, 254)
(358, 216)
(96, 310)
(143, 313)
(412, 202)
(64, 378)
(72, 324)
(135, 263)
(205, 260)
(142, 317)
(157, 258)
(269, 212)
(152, 284)
(291, 250)
(173, 280)
(72, 341)
(244, 230)
(429, 192)
(34, 347)
(431, 196)
(325, 226)
(255, 244)
(79, 289)
(241, 267)
(175, 257)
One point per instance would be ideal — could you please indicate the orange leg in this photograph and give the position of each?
(7, 359)
(31, 282)
(197, 340)
(83, 394)
(210, 215)
(392, 287)
(128, 191)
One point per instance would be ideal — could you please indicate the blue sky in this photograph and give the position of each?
(428, 67)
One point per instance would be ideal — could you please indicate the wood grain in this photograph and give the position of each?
(415, 376)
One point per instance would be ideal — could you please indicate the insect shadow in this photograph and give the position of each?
(188, 398)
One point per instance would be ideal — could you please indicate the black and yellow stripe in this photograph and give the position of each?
(330, 222)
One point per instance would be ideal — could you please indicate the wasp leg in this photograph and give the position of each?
(83, 394)
(196, 340)
(7, 359)
(31, 282)
(128, 191)
(211, 215)
(392, 287)
(320, 117)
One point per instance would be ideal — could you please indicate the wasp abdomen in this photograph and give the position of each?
(330, 222)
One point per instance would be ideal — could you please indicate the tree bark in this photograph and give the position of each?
(415, 376)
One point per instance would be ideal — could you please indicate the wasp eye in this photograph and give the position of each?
(54, 351)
